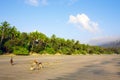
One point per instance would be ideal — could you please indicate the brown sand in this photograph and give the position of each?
(88, 67)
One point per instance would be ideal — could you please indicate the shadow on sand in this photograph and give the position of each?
(91, 72)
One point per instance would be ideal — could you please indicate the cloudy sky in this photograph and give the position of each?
(89, 21)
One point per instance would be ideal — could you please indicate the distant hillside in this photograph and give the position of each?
(114, 44)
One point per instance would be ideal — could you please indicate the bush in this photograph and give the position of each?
(36, 49)
(83, 52)
(66, 51)
(76, 52)
(1, 52)
(49, 50)
(9, 46)
(20, 51)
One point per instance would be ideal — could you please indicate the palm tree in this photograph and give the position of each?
(4, 29)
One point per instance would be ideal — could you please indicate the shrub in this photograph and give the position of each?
(1, 52)
(84, 52)
(49, 50)
(36, 49)
(20, 51)
(76, 52)
(9, 46)
(66, 51)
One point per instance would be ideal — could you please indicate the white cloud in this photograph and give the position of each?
(36, 2)
(82, 20)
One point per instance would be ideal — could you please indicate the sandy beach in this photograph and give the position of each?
(62, 67)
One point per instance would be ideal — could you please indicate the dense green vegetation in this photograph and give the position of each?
(22, 43)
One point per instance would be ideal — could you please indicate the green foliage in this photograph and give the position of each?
(1, 52)
(116, 50)
(76, 52)
(13, 41)
(66, 51)
(37, 48)
(83, 52)
(18, 50)
(49, 50)
(9, 46)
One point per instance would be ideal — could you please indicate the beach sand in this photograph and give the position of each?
(62, 67)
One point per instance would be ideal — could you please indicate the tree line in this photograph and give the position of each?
(23, 43)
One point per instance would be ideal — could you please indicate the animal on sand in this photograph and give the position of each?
(36, 65)
(11, 61)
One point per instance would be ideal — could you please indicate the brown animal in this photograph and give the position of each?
(11, 61)
(36, 65)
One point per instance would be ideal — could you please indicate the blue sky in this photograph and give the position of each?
(89, 21)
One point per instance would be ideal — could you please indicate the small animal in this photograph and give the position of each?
(36, 65)
(11, 61)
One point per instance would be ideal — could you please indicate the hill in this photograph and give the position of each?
(113, 44)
